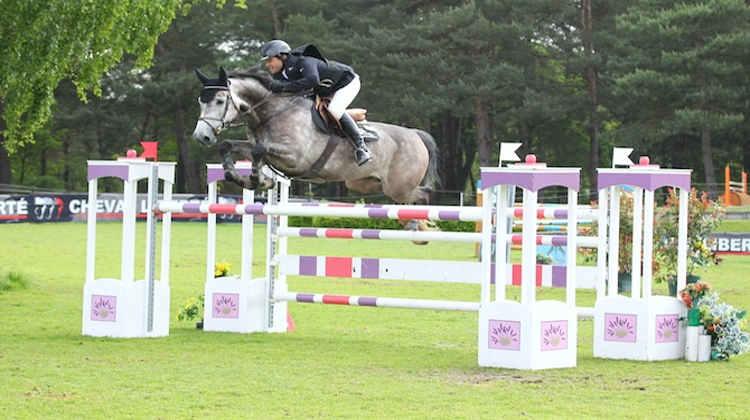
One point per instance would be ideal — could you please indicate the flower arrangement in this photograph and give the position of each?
(724, 324)
(193, 309)
(704, 216)
(694, 292)
(194, 306)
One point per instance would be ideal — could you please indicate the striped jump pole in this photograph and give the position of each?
(555, 213)
(555, 240)
(396, 235)
(383, 302)
(471, 237)
(393, 212)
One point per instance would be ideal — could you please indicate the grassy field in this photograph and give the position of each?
(341, 362)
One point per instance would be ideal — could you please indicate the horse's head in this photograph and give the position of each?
(217, 108)
(223, 103)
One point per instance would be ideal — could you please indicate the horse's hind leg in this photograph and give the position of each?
(422, 197)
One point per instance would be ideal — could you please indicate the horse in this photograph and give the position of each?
(281, 134)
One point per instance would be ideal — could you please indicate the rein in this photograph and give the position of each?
(275, 114)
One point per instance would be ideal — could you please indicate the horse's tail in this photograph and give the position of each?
(431, 178)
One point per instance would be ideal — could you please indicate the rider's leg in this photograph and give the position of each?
(361, 152)
(342, 99)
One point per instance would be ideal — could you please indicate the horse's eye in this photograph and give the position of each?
(220, 102)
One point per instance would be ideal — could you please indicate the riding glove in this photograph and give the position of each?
(277, 87)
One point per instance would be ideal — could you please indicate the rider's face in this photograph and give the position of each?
(274, 64)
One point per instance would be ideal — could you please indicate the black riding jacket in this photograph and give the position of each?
(303, 71)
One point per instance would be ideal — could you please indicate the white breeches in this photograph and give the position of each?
(344, 97)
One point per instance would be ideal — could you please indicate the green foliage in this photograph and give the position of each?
(675, 67)
(625, 240)
(193, 309)
(725, 325)
(43, 43)
(358, 223)
(544, 259)
(704, 217)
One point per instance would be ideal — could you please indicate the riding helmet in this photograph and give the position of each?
(274, 49)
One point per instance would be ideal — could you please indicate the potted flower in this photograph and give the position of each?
(194, 306)
(625, 243)
(704, 216)
(691, 295)
(193, 309)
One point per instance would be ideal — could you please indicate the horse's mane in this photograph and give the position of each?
(255, 72)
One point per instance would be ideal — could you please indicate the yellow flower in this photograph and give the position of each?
(221, 269)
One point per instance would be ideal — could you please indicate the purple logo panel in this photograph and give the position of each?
(554, 335)
(620, 327)
(667, 328)
(226, 305)
(103, 308)
(504, 335)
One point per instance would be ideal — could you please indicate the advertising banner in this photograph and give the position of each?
(731, 243)
(49, 208)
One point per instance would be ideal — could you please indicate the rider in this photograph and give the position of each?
(305, 68)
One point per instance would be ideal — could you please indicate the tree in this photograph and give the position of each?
(682, 76)
(43, 43)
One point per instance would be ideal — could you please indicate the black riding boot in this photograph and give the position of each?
(361, 152)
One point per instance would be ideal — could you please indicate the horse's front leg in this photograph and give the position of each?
(243, 148)
(258, 178)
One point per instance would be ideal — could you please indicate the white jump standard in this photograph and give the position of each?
(531, 334)
(125, 307)
(643, 326)
(238, 305)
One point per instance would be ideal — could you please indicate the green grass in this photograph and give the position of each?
(742, 225)
(341, 362)
(13, 279)
(738, 209)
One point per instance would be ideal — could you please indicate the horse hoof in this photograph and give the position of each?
(231, 177)
(420, 242)
(412, 225)
(268, 184)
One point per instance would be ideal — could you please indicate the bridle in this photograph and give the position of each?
(230, 124)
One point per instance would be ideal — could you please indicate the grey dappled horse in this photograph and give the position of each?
(281, 134)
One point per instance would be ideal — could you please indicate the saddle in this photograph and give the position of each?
(328, 124)
(323, 119)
